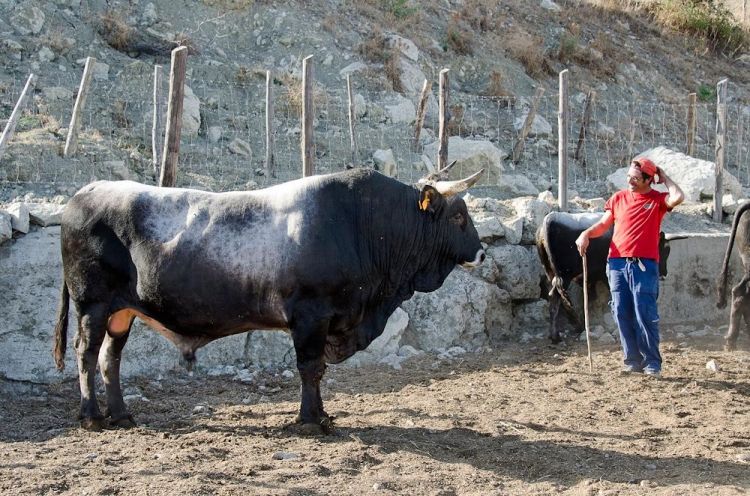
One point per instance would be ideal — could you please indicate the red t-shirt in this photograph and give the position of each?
(637, 223)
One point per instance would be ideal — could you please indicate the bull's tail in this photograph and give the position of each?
(61, 328)
(721, 284)
(557, 285)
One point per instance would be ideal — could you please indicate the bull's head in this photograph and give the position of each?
(440, 200)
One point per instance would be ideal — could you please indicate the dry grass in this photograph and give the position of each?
(57, 41)
(376, 49)
(496, 86)
(292, 97)
(117, 32)
(458, 39)
(528, 49)
(227, 5)
(479, 14)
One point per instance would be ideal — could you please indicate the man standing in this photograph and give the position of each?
(633, 260)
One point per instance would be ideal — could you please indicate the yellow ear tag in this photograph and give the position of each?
(424, 203)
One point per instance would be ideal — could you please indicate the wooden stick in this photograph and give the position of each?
(352, 116)
(586, 310)
(584, 125)
(518, 148)
(721, 136)
(157, 133)
(270, 172)
(443, 126)
(11, 125)
(421, 112)
(171, 153)
(71, 143)
(307, 144)
(562, 143)
(692, 99)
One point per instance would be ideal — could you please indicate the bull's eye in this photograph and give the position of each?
(459, 219)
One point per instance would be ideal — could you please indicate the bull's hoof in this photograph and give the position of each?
(94, 424)
(730, 346)
(124, 422)
(313, 427)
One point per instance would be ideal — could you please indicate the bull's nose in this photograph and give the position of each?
(478, 259)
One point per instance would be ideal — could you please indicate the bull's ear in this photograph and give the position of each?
(430, 200)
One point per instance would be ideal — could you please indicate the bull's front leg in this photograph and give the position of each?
(309, 345)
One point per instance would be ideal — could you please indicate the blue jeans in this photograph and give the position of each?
(634, 292)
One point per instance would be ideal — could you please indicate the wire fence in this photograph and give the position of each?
(225, 148)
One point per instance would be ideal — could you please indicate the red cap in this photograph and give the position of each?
(646, 166)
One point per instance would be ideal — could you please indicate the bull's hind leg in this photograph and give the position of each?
(109, 365)
(92, 322)
(739, 302)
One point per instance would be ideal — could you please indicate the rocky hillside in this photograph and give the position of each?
(498, 54)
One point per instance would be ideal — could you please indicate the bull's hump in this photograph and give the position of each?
(576, 221)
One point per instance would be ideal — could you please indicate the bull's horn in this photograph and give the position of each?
(444, 171)
(672, 237)
(450, 188)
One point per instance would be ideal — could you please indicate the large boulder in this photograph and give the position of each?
(471, 156)
(191, 113)
(696, 177)
(520, 270)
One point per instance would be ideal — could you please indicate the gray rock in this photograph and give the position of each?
(471, 156)
(46, 55)
(403, 45)
(6, 228)
(386, 162)
(240, 147)
(27, 19)
(57, 93)
(191, 113)
(520, 270)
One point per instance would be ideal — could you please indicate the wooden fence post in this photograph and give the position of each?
(442, 129)
(518, 148)
(721, 135)
(308, 145)
(270, 172)
(421, 112)
(590, 97)
(71, 143)
(562, 143)
(157, 132)
(171, 153)
(691, 120)
(11, 125)
(352, 116)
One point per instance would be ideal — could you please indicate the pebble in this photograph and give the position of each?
(650, 466)
(285, 455)
(743, 457)
(201, 409)
(713, 366)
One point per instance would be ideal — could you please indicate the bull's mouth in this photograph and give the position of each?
(478, 259)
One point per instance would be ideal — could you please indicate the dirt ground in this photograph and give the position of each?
(521, 419)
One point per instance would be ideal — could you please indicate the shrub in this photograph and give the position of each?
(458, 39)
(529, 51)
(709, 19)
(706, 92)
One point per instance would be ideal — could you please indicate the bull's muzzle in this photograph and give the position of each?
(478, 259)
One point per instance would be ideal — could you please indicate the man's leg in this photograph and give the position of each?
(646, 292)
(623, 311)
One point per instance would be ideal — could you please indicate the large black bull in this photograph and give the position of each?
(327, 257)
(740, 292)
(556, 244)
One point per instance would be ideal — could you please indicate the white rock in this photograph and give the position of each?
(191, 113)
(101, 71)
(19, 217)
(45, 214)
(214, 134)
(539, 126)
(285, 455)
(46, 55)
(402, 112)
(240, 147)
(403, 45)
(713, 366)
(385, 161)
(550, 5)
(471, 156)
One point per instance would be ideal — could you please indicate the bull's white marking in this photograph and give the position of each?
(577, 221)
(478, 258)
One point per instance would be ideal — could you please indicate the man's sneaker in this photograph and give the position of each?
(652, 372)
(631, 369)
